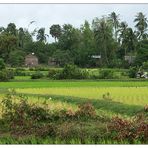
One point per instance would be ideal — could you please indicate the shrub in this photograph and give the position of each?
(5, 75)
(20, 72)
(145, 65)
(19, 113)
(41, 68)
(72, 72)
(106, 74)
(2, 64)
(146, 108)
(54, 73)
(37, 75)
(122, 129)
(86, 110)
(10, 74)
(132, 72)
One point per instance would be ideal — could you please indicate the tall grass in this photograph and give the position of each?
(71, 83)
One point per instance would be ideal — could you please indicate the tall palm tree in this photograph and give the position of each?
(141, 24)
(21, 37)
(103, 35)
(115, 20)
(55, 31)
(122, 30)
(128, 40)
(41, 35)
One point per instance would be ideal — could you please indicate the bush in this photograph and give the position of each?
(145, 65)
(54, 73)
(132, 73)
(72, 72)
(20, 72)
(5, 75)
(18, 112)
(106, 74)
(136, 129)
(86, 110)
(2, 64)
(37, 75)
(10, 74)
(41, 68)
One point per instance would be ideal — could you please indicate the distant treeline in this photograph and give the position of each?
(107, 38)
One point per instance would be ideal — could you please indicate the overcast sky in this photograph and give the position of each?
(47, 14)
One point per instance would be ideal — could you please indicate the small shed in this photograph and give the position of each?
(53, 62)
(129, 58)
(31, 60)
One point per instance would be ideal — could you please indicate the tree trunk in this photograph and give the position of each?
(105, 51)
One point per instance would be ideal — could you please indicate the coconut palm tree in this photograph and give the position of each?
(21, 37)
(141, 24)
(122, 31)
(41, 35)
(55, 31)
(115, 21)
(103, 35)
(128, 40)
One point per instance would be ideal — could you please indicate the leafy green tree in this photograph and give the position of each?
(86, 46)
(16, 58)
(142, 53)
(63, 57)
(55, 31)
(141, 25)
(7, 44)
(11, 29)
(70, 38)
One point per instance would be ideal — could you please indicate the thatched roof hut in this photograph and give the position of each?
(31, 60)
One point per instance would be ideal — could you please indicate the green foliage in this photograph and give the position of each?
(145, 65)
(107, 37)
(53, 73)
(37, 75)
(104, 38)
(142, 53)
(16, 58)
(41, 35)
(20, 72)
(106, 74)
(72, 72)
(55, 31)
(2, 64)
(63, 57)
(132, 72)
(141, 25)
(6, 75)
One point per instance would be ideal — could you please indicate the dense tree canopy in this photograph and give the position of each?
(107, 38)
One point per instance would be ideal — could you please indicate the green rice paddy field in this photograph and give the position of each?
(123, 98)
